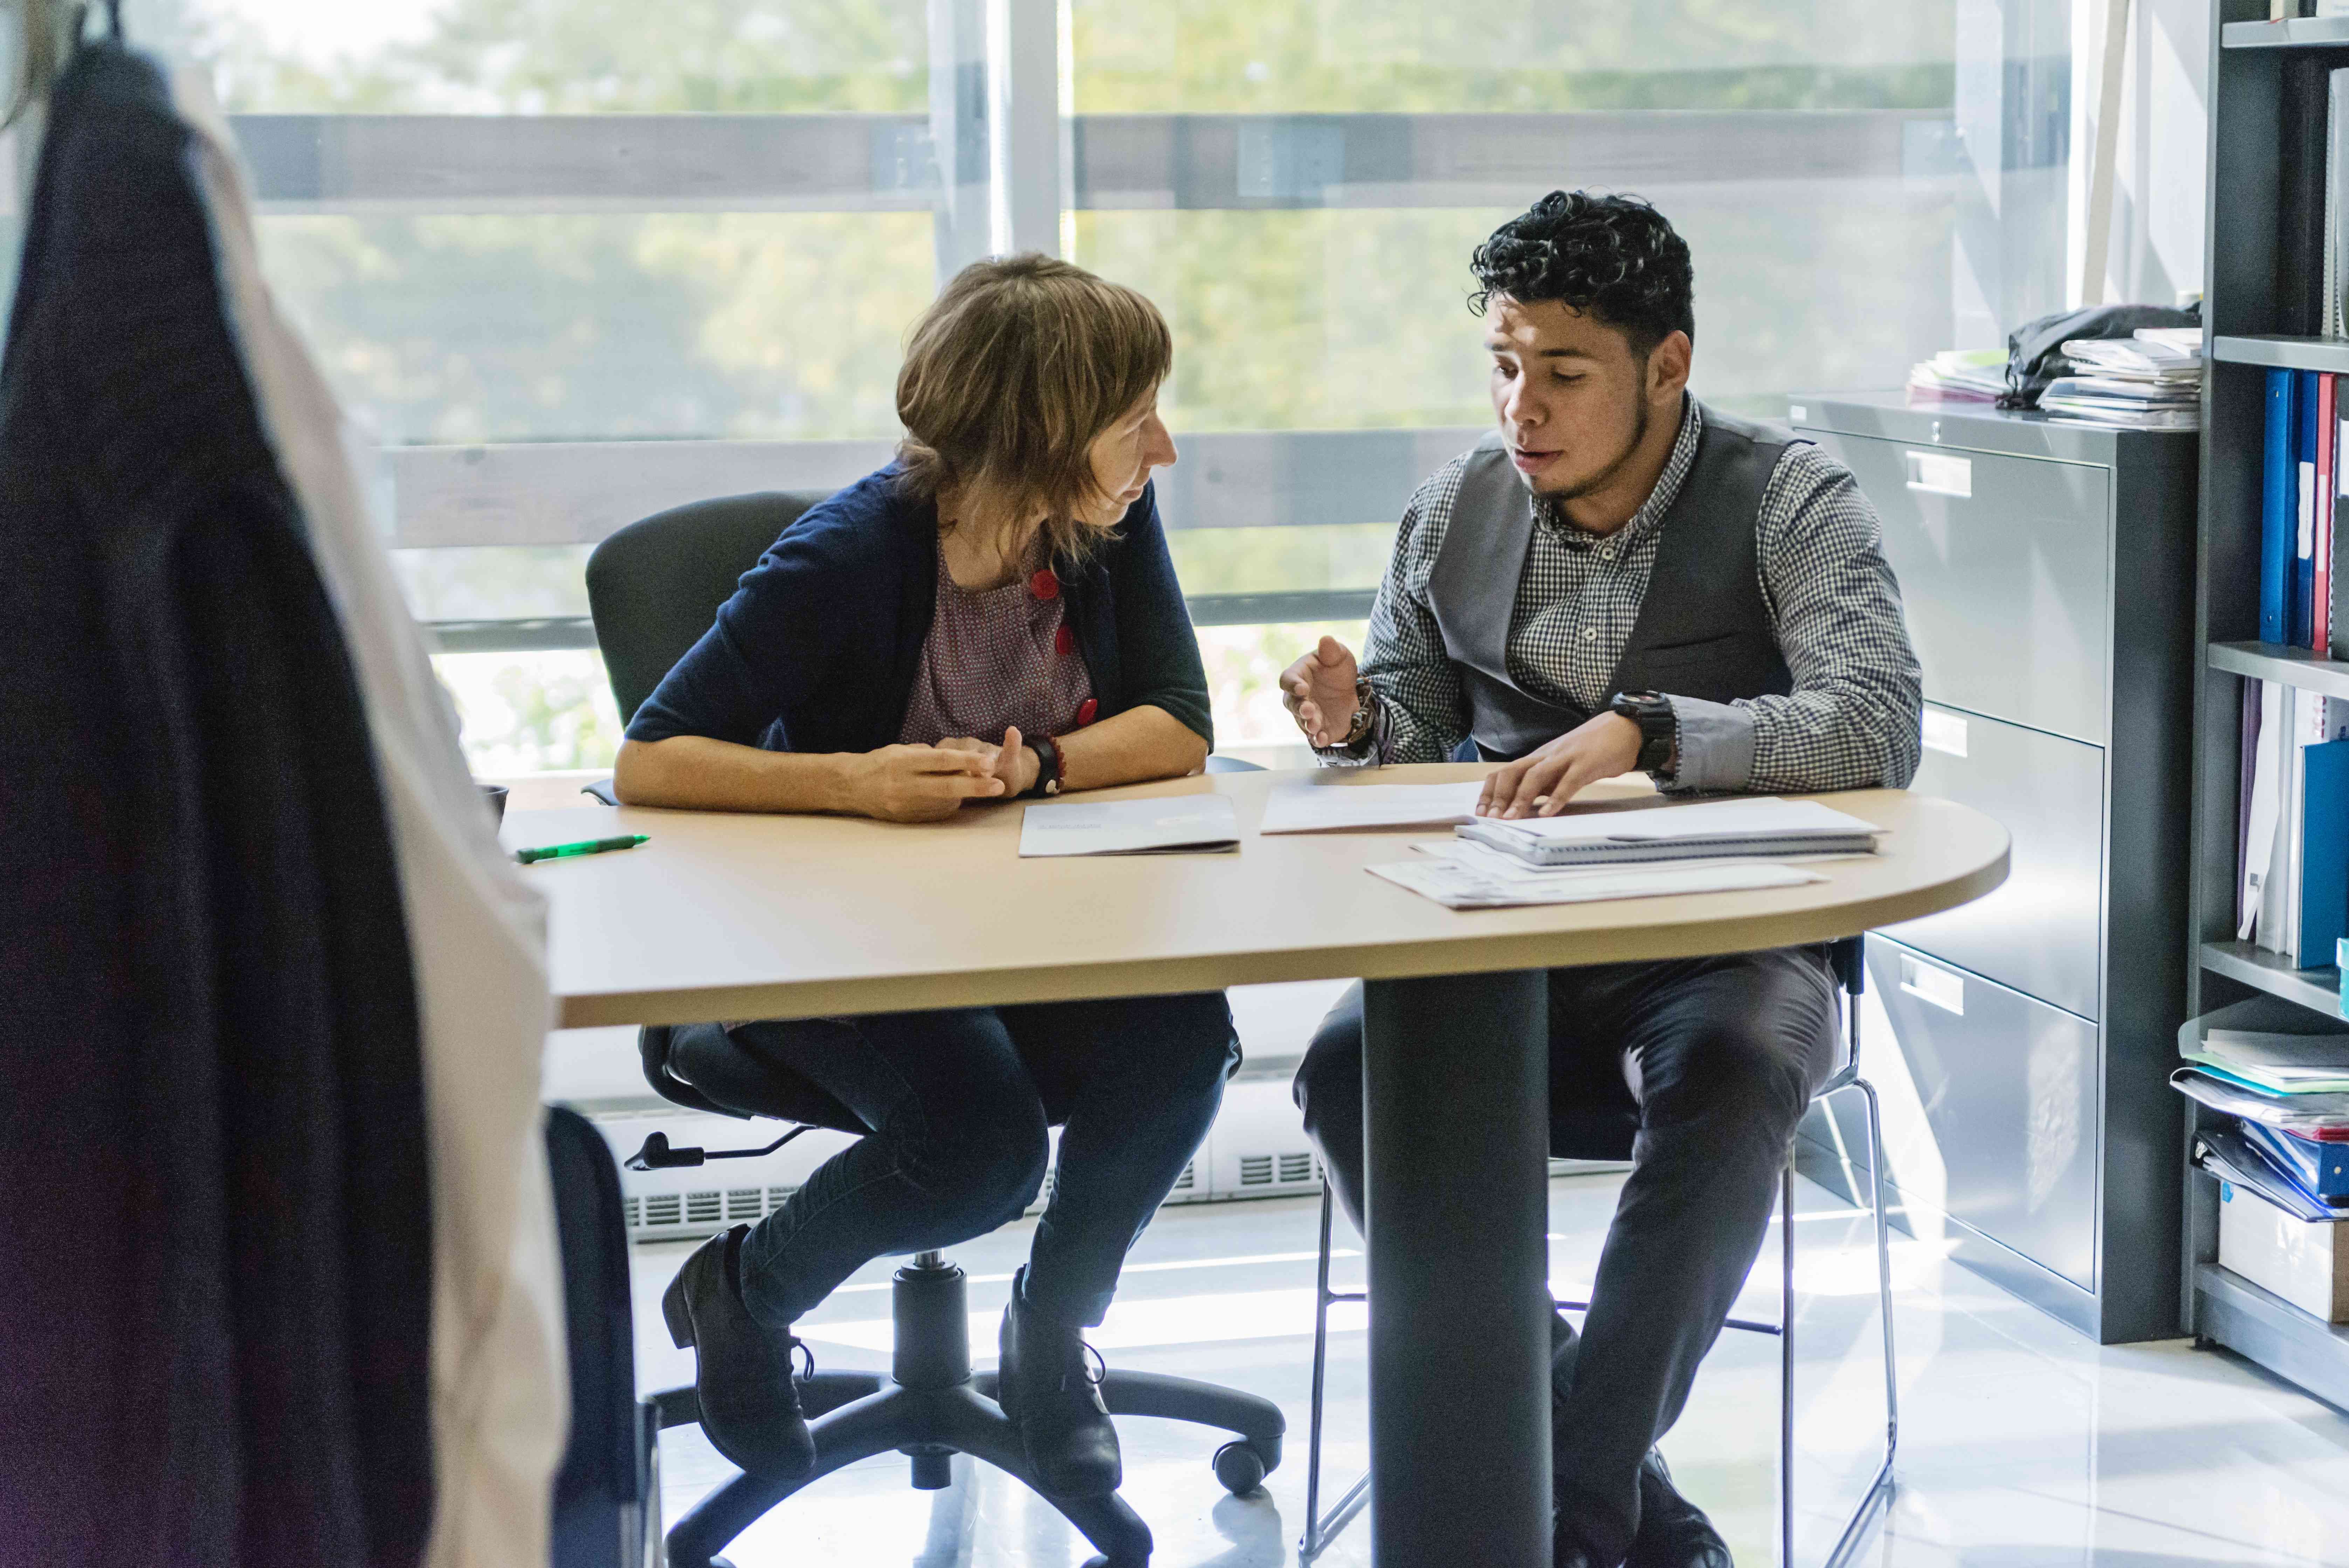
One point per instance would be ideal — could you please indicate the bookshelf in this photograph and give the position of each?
(2264, 214)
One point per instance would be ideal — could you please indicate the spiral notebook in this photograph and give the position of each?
(1761, 827)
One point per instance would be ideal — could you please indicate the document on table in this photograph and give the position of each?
(1335, 808)
(1185, 821)
(1474, 877)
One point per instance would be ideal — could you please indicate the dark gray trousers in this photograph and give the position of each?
(1698, 1070)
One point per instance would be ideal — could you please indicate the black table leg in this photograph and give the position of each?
(1455, 1095)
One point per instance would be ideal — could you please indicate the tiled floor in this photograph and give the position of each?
(2020, 1443)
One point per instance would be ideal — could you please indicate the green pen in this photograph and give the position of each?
(585, 846)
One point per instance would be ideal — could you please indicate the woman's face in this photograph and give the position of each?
(1123, 457)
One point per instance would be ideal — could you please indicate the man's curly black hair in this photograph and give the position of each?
(1615, 259)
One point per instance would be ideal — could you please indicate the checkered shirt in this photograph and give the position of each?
(1851, 722)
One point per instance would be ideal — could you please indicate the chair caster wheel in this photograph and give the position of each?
(1240, 1467)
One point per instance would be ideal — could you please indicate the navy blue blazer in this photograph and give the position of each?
(820, 645)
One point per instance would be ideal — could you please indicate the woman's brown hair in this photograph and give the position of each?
(1015, 369)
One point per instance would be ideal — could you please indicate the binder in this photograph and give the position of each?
(2328, 461)
(2302, 615)
(2336, 640)
(2276, 511)
(2323, 886)
(2227, 1155)
(2321, 1170)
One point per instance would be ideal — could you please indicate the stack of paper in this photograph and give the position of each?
(1959, 376)
(2280, 1063)
(2152, 380)
(1751, 828)
(1465, 875)
(2318, 1117)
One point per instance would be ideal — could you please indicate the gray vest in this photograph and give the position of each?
(1702, 630)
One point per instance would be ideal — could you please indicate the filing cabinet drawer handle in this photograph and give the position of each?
(1940, 474)
(1933, 984)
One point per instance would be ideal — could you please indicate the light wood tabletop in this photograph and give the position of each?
(726, 916)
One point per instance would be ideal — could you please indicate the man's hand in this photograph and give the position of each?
(1010, 761)
(1540, 783)
(1318, 692)
(920, 783)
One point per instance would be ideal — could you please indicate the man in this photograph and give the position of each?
(1621, 577)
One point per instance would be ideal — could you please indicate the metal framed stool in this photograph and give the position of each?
(1849, 958)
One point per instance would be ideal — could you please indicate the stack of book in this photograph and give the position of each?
(2150, 381)
(2279, 1148)
(2279, 1077)
(2293, 821)
(1959, 376)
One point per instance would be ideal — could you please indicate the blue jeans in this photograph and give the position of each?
(958, 1101)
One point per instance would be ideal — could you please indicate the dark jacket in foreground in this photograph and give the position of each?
(217, 1254)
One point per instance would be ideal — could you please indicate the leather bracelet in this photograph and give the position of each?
(1047, 767)
(1365, 719)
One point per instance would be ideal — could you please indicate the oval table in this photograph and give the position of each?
(725, 916)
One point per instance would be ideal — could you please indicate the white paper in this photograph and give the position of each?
(1761, 817)
(1456, 885)
(1486, 860)
(2260, 907)
(1335, 808)
(1200, 822)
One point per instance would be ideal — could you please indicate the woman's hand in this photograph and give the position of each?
(1012, 761)
(1318, 691)
(921, 784)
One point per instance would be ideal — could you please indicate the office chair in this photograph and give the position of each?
(1850, 961)
(606, 1504)
(653, 588)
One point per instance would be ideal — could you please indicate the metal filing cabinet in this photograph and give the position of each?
(2046, 568)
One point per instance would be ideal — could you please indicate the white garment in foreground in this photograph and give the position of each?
(478, 934)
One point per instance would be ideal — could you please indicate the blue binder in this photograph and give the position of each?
(2279, 512)
(2319, 1169)
(2302, 632)
(2323, 852)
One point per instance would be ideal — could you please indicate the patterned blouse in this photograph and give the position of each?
(998, 657)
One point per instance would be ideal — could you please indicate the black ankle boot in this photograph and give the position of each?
(1050, 1394)
(1674, 1532)
(742, 1369)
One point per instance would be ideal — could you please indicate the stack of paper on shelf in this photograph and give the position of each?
(1755, 829)
(2318, 1117)
(2152, 380)
(2279, 1064)
(1959, 376)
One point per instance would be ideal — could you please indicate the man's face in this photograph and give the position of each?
(1573, 400)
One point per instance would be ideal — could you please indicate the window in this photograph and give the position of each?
(574, 261)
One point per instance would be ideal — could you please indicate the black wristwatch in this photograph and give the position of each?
(1048, 766)
(1660, 729)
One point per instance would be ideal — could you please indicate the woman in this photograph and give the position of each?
(992, 615)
